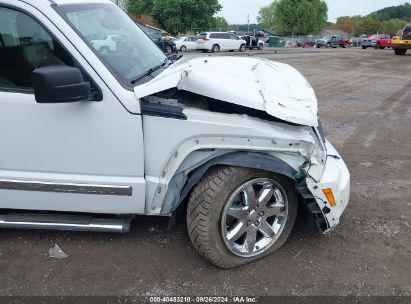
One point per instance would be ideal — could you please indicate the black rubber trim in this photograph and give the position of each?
(263, 162)
(162, 110)
(240, 159)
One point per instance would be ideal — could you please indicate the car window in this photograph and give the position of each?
(24, 46)
(234, 37)
(407, 32)
(215, 36)
(202, 36)
(92, 21)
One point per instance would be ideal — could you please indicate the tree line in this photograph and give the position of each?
(179, 16)
(295, 17)
(286, 17)
(389, 20)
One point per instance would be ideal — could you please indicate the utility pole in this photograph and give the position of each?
(248, 24)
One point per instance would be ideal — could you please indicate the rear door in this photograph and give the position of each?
(82, 156)
(215, 38)
(226, 41)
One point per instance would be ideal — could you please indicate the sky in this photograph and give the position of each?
(236, 11)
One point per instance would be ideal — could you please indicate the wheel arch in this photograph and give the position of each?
(253, 160)
(259, 161)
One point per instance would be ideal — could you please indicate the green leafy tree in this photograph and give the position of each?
(368, 26)
(347, 24)
(266, 16)
(295, 17)
(392, 26)
(393, 12)
(220, 23)
(177, 16)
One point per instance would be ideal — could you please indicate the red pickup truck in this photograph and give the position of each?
(378, 41)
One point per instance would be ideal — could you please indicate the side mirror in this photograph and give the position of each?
(60, 84)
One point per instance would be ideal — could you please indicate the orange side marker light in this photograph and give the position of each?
(330, 196)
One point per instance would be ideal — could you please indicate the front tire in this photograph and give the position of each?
(238, 215)
(398, 51)
(260, 46)
(242, 48)
(183, 49)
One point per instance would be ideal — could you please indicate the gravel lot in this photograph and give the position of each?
(365, 105)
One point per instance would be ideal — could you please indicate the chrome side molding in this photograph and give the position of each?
(67, 222)
(65, 187)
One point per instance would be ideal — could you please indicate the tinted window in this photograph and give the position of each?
(24, 46)
(202, 36)
(234, 37)
(407, 33)
(215, 36)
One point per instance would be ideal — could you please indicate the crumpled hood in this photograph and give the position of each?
(269, 86)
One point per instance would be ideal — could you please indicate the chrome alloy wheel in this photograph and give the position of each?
(254, 217)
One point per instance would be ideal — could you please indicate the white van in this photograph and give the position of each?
(216, 41)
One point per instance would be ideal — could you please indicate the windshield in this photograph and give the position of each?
(122, 46)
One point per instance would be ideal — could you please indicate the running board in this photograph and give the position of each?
(63, 222)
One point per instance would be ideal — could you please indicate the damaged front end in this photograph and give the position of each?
(238, 111)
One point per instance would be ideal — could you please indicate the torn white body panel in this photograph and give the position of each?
(217, 131)
(337, 178)
(260, 84)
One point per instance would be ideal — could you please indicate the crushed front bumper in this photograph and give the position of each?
(337, 178)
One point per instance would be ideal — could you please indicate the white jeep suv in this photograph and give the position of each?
(89, 139)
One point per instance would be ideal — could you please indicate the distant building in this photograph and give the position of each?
(152, 30)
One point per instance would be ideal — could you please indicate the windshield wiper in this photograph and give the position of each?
(151, 70)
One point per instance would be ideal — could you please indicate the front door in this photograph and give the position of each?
(82, 156)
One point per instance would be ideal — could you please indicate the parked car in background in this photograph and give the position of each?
(106, 45)
(252, 42)
(402, 43)
(220, 41)
(333, 41)
(378, 41)
(275, 41)
(167, 46)
(366, 43)
(184, 44)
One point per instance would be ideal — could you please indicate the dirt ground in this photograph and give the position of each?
(365, 105)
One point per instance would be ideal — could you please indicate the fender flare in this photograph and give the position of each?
(262, 162)
(251, 160)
